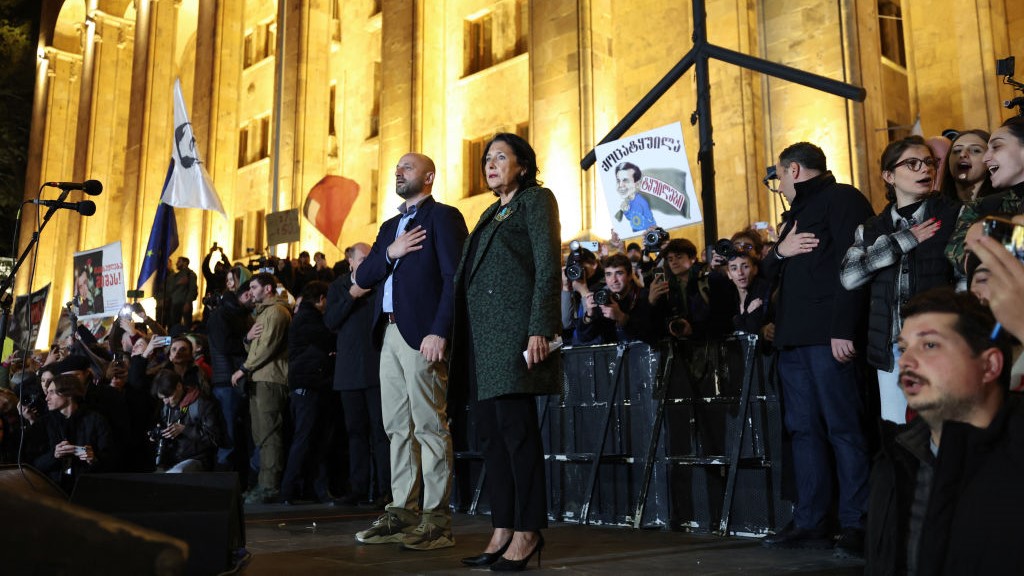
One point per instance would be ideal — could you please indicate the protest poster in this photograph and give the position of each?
(647, 181)
(25, 335)
(99, 282)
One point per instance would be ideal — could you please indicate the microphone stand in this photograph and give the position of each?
(6, 301)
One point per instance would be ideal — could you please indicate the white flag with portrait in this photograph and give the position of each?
(189, 185)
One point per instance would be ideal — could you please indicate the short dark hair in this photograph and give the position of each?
(637, 174)
(805, 154)
(313, 291)
(265, 279)
(617, 260)
(304, 253)
(974, 323)
(680, 246)
(525, 157)
(184, 259)
(69, 386)
(165, 382)
(632, 246)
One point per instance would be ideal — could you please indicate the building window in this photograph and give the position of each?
(254, 141)
(478, 49)
(494, 36)
(890, 31)
(474, 178)
(238, 246)
(260, 43)
(336, 20)
(332, 130)
(243, 146)
(374, 130)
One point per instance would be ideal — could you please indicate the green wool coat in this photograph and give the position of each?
(510, 291)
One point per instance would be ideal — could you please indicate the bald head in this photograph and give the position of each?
(414, 177)
(359, 251)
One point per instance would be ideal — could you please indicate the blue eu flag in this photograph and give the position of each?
(163, 239)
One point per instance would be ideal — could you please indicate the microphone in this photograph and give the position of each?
(90, 187)
(85, 207)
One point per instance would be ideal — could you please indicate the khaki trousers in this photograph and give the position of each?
(267, 403)
(413, 396)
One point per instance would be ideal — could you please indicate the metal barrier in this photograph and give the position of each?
(688, 435)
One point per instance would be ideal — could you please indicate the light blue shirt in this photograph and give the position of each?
(388, 305)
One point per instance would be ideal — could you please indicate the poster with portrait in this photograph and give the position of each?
(647, 181)
(27, 315)
(98, 282)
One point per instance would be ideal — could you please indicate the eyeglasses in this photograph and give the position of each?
(916, 164)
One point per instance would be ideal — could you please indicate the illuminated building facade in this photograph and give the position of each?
(283, 92)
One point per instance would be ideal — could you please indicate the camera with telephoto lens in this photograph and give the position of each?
(574, 262)
(35, 402)
(1006, 233)
(653, 239)
(156, 435)
(604, 296)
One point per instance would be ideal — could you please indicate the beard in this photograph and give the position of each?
(408, 189)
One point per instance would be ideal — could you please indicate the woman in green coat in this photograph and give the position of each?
(509, 282)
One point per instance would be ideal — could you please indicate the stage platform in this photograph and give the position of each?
(316, 539)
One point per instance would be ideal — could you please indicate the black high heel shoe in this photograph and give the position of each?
(487, 558)
(506, 565)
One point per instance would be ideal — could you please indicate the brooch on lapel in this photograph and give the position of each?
(505, 212)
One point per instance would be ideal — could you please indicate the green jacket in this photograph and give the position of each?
(510, 291)
(268, 353)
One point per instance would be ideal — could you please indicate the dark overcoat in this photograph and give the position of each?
(510, 291)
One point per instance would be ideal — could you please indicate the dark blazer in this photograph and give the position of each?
(511, 292)
(357, 365)
(423, 281)
(813, 307)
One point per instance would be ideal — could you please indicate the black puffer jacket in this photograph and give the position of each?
(226, 327)
(310, 345)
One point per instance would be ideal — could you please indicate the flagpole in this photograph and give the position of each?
(282, 21)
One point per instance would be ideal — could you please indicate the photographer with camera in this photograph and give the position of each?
(70, 439)
(674, 291)
(190, 428)
(620, 311)
(581, 276)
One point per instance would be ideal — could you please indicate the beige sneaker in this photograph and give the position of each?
(428, 536)
(388, 528)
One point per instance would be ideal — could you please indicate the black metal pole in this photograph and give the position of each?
(706, 152)
(841, 89)
(698, 56)
(644, 104)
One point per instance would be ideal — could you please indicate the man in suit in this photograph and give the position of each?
(817, 325)
(413, 263)
(350, 312)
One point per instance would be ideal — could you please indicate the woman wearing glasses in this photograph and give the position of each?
(899, 253)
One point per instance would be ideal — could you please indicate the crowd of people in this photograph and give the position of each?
(311, 381)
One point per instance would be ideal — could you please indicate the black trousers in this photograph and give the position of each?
(509, 436)
(367, 442)
(310, 443)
